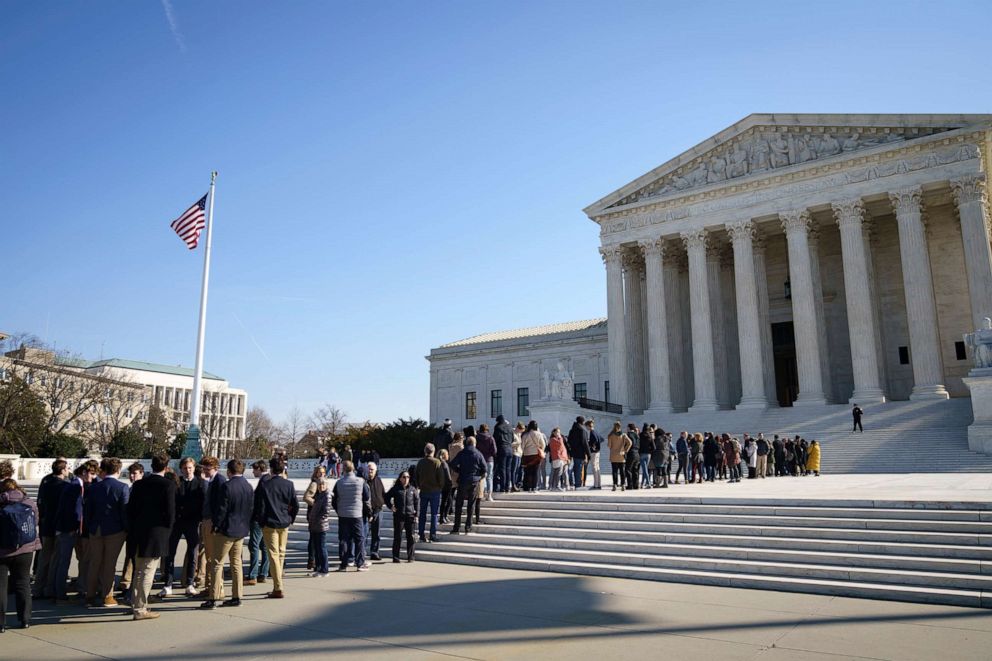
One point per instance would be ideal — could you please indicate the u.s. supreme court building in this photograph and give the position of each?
(789, 260)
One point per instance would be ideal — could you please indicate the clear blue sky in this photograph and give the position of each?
(393, 175)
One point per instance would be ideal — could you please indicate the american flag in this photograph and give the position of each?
(189, 225)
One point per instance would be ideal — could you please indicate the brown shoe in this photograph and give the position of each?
(146, 615)
(109, 601)
(275, 594)
(250, 581)
(261, 580)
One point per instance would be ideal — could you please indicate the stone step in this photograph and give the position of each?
(765, 521)
(860, 534)
(458, 544)
(972, 598)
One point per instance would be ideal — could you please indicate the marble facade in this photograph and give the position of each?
(862, 239)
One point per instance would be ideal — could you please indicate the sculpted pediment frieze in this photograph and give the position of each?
(763, 149)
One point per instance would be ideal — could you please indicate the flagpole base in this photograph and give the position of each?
(193, 447)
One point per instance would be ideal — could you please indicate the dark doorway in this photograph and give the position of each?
(786, 372)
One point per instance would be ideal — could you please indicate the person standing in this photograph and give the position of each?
(190, 496)
(319, 522)
(105, 521)
(578, 448)
(49, 492)
(471, 467)
(857, 413)
(402, 499)
(595, 447)
(618, 444)
(230, 516)
(485, 444)
(813, 458)
(444, 436)
(659, 459)
(151, 509)
(318, 472)
(275, 509)
(532, 445)
(350, 499)
(258, 557)
(559, 459)
(778, 447)
(135, 472)
(430, 481)
(377, 492)
(503, 436)
(68, 530)
(210, 469)
(19, 540)
(761, 450)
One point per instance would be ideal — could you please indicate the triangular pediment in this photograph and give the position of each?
(760, 144)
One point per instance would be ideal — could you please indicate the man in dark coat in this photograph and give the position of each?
(503, 435)
(578, 449)
(444, 436)
(856, 413)
(105, 521)
(378, 493)
(49, 492)
(471, 467)
(151, 509)
(190, 495)
(275, 509)
(230, 517)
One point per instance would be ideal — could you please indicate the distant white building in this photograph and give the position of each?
(222, 412)
(475, 379)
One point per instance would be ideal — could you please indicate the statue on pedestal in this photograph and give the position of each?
(559, 386)
(981, 345)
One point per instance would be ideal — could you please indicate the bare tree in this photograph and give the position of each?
(330, 421)
(260, 434)
(292, 428)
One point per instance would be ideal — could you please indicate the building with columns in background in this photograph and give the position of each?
(795, 260)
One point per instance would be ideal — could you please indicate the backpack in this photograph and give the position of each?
(18, 526)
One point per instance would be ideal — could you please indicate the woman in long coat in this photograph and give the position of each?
(813, 460)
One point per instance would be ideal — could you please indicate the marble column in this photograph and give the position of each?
(876, 303)
(970, 196)
(657, 327)
(633, 280)
(616, 326)
(796, 225)
(764, 320)
(857, 290)
(673, 260)
(702, 332)
(718, 321)
(748, 322)
(821, 323)
(731, 340)
(921, 308)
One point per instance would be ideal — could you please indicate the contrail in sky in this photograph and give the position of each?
(171, 17)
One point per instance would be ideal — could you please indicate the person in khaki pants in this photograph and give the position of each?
(210, 468)
(275, 508)
(151, 510)
(105, 520)
(231, 511)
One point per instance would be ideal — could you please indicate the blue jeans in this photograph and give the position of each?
(434, 500)
(64, 544)
(258, 557)
(372, 535)
(489, 475)
(577, 466)
(515, 472)
(351, 541)
(645, 460)
(504, 472)
(318, 546)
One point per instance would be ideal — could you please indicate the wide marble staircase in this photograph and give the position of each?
(899, 437)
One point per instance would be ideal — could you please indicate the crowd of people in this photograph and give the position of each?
(93, 515)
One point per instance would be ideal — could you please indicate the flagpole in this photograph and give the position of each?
(193, 447)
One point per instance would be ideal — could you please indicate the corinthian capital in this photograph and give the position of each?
(907, 200)
(849, 212)
(695, 239)
(969, 189)
(741, 231)
(611, 254)
(633, 260)
(796, 220)
(652, 247)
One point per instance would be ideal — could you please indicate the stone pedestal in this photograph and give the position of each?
(979, 382)
(561, 413)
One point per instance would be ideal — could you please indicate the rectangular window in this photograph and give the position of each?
(606, 391)
(495, 403)
(959, 351)
(579, 391)
(470, 409)
(904, 355)
(523, 401)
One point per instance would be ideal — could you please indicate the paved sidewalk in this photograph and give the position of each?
(428, 610)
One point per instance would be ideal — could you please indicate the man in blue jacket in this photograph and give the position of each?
(230, 514)
(471, 467)
(275, 509)
(49, 492)
(105, 519)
